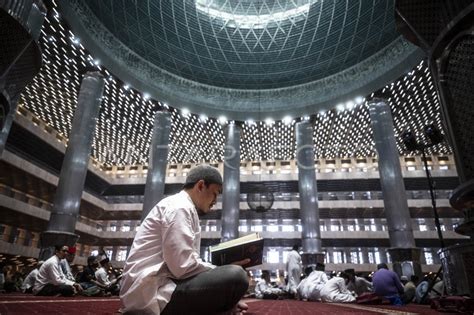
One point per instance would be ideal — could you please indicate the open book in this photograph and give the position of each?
(249, 246)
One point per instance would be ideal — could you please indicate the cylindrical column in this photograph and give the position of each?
(67, 200)
(155, 180)
(309, 212)
(6, 125)
(393, 189)
(231, 187)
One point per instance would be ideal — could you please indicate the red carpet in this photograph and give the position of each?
(29, 304)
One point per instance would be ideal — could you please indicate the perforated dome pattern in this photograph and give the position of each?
(222, 43)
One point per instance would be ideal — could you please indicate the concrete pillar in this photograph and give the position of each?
(309, 212)
(62, 223)
(393, 189)
(155, 180)
(13, 235)
(7, 124)
(231, 187)
(35, 240)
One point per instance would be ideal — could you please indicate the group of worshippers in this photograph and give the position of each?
(54, 276)
(345, 287)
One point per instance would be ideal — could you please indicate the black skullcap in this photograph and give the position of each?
(208, 173)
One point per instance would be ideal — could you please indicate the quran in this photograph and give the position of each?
(249, 246)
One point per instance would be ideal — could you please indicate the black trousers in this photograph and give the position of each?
(214, 291)
(51, 289)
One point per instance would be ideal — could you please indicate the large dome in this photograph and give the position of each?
(247, 58)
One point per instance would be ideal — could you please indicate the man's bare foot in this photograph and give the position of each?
(240, 308)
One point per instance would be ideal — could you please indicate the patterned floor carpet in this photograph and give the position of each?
(29, 304)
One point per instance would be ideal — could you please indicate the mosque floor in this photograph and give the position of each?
(30, 304)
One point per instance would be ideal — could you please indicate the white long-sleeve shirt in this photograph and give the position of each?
(310, 287)
(30, 280)
(293, 267)
(335, 290)
(166, 247)
(66, 268)
(50, 272)
(102, 276)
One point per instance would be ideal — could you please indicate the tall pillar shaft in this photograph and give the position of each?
(393, 189)
(231, 187)
(7, 124)
(67, 200)
(309, 212)
(155, 180)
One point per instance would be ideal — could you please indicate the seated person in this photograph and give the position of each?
(65, 263)
(387, 284)
(310, 287)
(51, 280)
(409, 288)
(9, 279)
(87, 277)
(265, 290)
(436, 291)
(29, 282)
(164, 273)
(335, 290)
(102, 277)
(357, 284)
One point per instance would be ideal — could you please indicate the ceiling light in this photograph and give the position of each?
(185, 111)
(222, 120)
(287, 120)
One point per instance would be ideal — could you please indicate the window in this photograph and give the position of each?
(109, 252)
(371, 258)
(122, 255)
(377, 257)
(257, 228)
(272, 228)
(273, 256)
(423, 227)
(113, 227)
(337, 257)
(411, 168)
(243, 228)
(334, 227)
(429, 258)
(354, 257)
(126, 228)
(444, 167)
(287, 228)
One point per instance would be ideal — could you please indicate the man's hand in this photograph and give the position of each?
(242, 262)
(77, 287)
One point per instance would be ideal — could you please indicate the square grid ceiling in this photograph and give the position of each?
(124, 126)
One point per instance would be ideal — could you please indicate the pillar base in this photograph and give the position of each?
(406, 261)
(311, 259)
(49, 239)
(458, 269)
